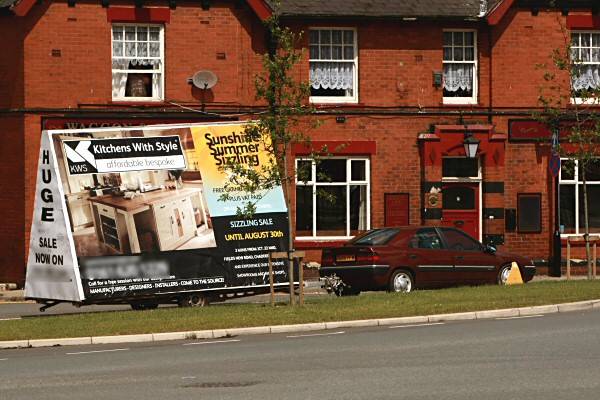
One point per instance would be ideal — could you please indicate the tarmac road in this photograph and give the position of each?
(555, 356)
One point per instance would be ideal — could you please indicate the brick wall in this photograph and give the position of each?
(12, 229)
(64, 61)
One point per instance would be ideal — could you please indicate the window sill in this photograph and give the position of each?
(588, 102)
(137, 102)
(332, 100)
(459, 101)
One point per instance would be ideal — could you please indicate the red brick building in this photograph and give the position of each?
(400, 86)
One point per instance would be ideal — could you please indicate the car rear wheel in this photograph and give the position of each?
(503, 274)
(401, 282)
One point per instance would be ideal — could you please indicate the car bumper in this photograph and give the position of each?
(528, 272)
(359, 276)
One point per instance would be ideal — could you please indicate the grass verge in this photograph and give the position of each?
(365, 306)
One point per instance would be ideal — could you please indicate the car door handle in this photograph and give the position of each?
(460, 258)
(412, 256)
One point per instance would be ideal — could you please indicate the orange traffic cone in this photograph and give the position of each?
(514, 277)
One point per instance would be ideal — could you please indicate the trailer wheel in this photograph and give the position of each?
(193, 300)
(143, 305)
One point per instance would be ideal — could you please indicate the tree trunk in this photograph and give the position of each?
(286, 187)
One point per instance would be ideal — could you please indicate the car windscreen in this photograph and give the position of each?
(375, 237)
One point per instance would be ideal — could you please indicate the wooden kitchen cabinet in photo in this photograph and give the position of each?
(79, 210)
(108, 225)
(174, 222)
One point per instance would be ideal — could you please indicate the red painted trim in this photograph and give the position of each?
(131, 14)
(307, 245)
(336, 147)
(583, 22)
(461, 128)
(450, 143)
(499, 12)
(261, 8)
(22, 7)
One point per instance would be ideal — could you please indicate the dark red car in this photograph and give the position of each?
(402, 259)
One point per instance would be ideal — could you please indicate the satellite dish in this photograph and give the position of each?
(204, 79)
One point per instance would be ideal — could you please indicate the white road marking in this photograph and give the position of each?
(415, 325)
(3, 359)
(316, 334)
(524, 316)
(95, 351)
(188, 377)
(9, 319)
(213, 342)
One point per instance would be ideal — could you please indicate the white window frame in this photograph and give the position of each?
(464, 179)
(579, 100)
(577, 183)
(160, 71)
(464, 100)
(349, 182)
(337, 99)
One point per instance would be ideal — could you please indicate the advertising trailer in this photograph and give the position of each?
(137, 215)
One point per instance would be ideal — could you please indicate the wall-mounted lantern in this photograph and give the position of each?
(471, 144)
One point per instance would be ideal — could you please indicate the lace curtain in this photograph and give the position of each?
(140, 57)
(119, 79)
(331, 75)
(587, 78)
(458, 76)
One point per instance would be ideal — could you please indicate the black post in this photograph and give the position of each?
(554, 267)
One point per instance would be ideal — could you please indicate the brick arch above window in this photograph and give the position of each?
(142, 15)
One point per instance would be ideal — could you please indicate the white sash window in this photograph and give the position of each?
(333, 65)
(137, 62)
(585, 55)
(460, 67)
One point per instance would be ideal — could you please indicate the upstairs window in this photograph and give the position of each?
(137, 62)
(460, 67)
(333, 65)
(585, 55)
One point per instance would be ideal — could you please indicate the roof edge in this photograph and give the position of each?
(21, 7)
(497, 14)
(260, 7)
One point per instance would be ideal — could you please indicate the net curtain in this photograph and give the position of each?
(331, 75)
(458, 77)
(586, 77)
(134, 56)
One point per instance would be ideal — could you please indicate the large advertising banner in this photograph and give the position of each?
(138, 211)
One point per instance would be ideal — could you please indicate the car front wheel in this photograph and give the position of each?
(503, 274)
(401, 282)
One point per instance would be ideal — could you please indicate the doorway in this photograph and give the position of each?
(461, 207)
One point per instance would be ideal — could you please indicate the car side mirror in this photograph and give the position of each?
(490, 249)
